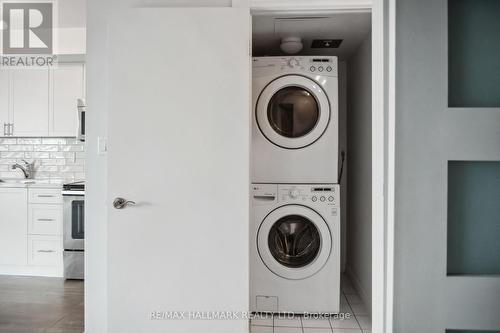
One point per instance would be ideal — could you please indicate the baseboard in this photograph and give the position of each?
(359, 288)
(44, 271)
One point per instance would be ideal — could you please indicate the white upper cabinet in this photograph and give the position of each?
(4, 101)
(41, 102)
(30, 101)
(67, 86)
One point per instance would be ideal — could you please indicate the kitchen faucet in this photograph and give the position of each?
(28, 169)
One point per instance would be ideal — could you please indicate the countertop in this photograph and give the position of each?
(29, 183)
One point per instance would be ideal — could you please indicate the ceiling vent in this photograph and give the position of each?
(326, 43)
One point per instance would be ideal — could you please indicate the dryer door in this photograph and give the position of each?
(293, 111)
(294, 242)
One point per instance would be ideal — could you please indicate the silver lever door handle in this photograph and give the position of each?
(120, 203)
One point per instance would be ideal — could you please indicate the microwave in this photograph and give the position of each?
(82, 108)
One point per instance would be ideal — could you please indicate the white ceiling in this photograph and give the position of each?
(353, 28)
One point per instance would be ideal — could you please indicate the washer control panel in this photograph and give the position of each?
(310, 194)
(317, 65)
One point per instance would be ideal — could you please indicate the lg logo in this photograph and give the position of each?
(28, 28)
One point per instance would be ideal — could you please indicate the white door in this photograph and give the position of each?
(30, 101)
(67, 87)
(4, 101)
(179, 121)
(13, 226)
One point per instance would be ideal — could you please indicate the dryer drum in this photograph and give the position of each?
(293, 112)
(294, 241)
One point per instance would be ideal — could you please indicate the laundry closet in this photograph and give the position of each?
(311, 212)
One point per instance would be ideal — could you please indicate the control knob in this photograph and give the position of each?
(294, 193)
(292, 62)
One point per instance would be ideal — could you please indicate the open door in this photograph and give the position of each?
(179, 100)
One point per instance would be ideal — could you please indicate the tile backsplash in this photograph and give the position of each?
(56, 159)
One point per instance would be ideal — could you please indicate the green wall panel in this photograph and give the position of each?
(473, 218)
(474, 53)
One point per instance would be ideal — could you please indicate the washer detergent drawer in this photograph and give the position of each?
(266, 303)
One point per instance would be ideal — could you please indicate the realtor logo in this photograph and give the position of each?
(28, 28)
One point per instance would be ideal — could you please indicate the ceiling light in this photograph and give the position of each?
(291, 45)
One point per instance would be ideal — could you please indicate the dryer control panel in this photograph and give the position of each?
(317, 65)
(309, 194)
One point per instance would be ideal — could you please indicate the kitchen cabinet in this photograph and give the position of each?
(41, 102)
(4, 101)
(45, 219)
(67, 85)
(45, 196)
(45, 250)
(13, 226)
(30, 101)
(31, 241)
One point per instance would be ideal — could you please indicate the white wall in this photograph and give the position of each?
(343, 147)
(96, 232)
(70, 24)
(359, 175)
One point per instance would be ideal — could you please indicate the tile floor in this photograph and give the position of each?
(353, 318)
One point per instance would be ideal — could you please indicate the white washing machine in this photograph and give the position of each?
(295, 122)
(295, 248)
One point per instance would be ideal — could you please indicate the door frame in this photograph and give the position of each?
(383, 54)
(383, 132)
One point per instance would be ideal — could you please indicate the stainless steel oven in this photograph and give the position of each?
(74, 229)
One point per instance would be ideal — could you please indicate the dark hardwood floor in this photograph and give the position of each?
(36, 304)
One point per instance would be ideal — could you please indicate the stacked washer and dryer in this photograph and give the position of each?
(295, 222)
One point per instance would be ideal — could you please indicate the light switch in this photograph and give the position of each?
(102, 145)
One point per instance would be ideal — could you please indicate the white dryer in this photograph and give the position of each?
(295, 248)
(295, 120)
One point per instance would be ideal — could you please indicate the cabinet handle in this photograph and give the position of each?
(46, 251)
(45, 220)
(45, 196)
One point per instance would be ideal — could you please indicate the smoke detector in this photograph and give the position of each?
(291, 45)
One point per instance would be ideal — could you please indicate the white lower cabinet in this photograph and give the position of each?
(31, 240)
(44, 196)
(45, 219)
(44, 250)
(13, 226)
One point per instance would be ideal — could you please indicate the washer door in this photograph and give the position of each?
(293, 111)
(294, 242)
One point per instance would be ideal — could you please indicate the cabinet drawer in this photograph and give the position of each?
(45, 195)
(45, 219)
(45, 250)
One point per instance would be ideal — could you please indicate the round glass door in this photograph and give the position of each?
(294, 242)
(293, 111)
